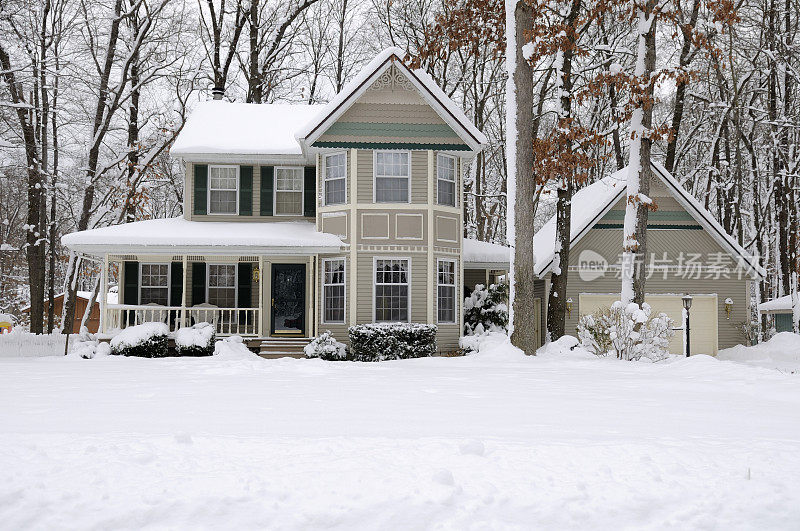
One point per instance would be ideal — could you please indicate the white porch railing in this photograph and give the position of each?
(226, 321)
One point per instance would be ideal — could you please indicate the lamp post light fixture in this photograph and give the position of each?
(687, 305)
(569, 307)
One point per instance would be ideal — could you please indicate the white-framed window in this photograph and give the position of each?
(446, 180)
(222, 285)
(446, 291)
(154, 284)
(392, 289)
(392, 176)
(223, 190)
(333, 290)
(288, 191)
(335, 183)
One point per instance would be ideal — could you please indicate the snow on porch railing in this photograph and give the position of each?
(226, 321)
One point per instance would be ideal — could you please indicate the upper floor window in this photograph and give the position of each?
(392, 176)
(288, 191)
(154, 284)
(335, 178)
(446, 180)
(223, 190)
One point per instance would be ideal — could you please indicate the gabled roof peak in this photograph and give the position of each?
(451, 113)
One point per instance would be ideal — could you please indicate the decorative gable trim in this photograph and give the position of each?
(388, 69)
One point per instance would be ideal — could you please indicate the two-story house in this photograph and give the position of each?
(299, 219)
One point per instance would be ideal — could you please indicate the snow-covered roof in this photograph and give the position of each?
(590, 204)
(779, 305)
(447, 109)
(485, 255)
(224, 128)
(179, 236)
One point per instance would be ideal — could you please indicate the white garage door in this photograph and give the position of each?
(703, 317)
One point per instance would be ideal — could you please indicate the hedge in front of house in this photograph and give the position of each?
(147, 340)
(392, 341)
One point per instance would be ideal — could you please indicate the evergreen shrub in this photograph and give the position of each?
(392, 341)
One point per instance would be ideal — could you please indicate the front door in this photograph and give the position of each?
(288, 300)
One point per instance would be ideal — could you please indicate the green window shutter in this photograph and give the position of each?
(176, 284)
(245, 287)
(245, 190)
(200, 197)
(130, 294)
(310, 189)
(267, 177)
(198, 283)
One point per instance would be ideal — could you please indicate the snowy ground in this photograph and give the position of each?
(492, 441)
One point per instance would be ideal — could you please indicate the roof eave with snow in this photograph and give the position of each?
(177, 236)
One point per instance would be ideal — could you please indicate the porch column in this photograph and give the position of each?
(185, 261)
(101, 327)
(260, 296)
(310, 295)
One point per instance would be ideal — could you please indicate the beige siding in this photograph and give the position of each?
(419, 177)
(364, 175)
(473, 277)
(368, 112)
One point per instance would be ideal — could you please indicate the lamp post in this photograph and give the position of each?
(687, 305)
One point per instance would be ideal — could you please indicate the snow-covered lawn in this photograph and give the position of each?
(494, 440)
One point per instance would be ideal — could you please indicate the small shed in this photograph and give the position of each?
(781, 311)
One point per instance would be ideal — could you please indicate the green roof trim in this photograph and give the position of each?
(391, 145)
(658, 215)
(391, 129)
(664, 226)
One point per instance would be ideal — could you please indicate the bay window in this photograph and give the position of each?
(392, 176)
(333, 287)
(446, 291)
(391, 290)
(335, 178)
(446, 180)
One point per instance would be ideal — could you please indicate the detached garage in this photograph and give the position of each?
(704, 324)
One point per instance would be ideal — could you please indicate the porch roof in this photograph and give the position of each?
(779, 305)
(179, 236)
(485, 255)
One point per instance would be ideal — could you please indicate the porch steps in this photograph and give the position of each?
(273, 348)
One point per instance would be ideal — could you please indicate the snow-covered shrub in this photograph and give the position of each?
(88, 349)
(486, 310)
(627, 332)
(392, 341)
(147, 340)
(325, 347)
(197, 340)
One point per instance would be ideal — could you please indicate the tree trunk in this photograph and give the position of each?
(523, 304)
(556, 302)
(639, 170)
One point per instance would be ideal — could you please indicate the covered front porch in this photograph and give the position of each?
(250, 296)
(253, 279)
